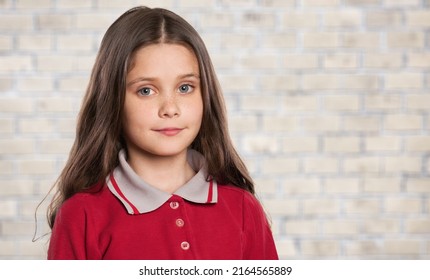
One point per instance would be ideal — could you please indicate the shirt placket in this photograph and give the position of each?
(177, 205)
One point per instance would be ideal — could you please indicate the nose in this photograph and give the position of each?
(169, 107)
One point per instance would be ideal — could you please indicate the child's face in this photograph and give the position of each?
(163, 105)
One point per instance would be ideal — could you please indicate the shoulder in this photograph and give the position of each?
(238, 195)
(95, 197)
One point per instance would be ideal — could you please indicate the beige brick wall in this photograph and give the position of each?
(329, 104)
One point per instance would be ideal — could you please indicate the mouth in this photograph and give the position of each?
(169, 131)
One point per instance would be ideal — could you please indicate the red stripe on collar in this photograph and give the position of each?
(118, 190)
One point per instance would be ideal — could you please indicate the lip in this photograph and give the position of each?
(169, 131)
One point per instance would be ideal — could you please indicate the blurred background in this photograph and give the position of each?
(328, 102)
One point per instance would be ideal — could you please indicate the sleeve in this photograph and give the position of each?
(258, 240)
(69, 238)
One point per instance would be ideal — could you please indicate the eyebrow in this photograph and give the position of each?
(150, 79)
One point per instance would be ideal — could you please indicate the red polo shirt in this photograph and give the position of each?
(129, 219)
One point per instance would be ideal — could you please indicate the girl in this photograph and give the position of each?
(153, 173)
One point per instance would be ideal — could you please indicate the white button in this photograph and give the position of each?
(174, 205)
(185, 245)
(180, 222)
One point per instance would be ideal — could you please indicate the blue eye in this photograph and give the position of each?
(185, 88)
(145, 91)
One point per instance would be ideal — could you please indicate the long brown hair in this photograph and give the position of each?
(99, 130)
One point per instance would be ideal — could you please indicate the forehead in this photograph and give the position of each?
(164, 57)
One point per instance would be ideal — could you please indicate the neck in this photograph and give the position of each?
(166, 173)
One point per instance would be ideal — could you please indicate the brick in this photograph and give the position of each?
(402, 206)
(54, 105)
(285, 248)
(383, 102)
(324, 165)
(360, 3)
(260, 144)
(36, 167)
(35, 42)
(30, 249)
(28, 4)
(417, 226)
(368, 41)
(405, 40)
(342, 103)
(7, 126)
(402, 3)
(409, 164)
(402, 247)
(340, 61)
(321, 3)
(325, 248)
(417, 101)
(362, 207)
(303, 20)
(300, 103)
(279, 83)
(418, 60)
(389, 60)
(320, 207)
(15, 63)
(300, 145)
(321, 124)
(265, 187)
(301, 61)
(341, 186)
(404, 81)
(403, 122)
(256, 103)
(362, 123)
(16, 187)
(77, 4)
(7, 248)
(362, 164)
(382, 184)
(363, 248)
(340, 228)
(56, 63)
(255, 19)
(237, 83)
(360, 82)
(418, 143)
(235, 41)
(66, 125)
(282, 207)
(6, 167)
(243, 123)
(94, 21)
(279, 165)
(278, 3)
(279, 41)
(217, 20)
(384, 18)
(320, 82)
(6, 43)
(55, 146)
(75, 42)
(12, 228)
(16, 146)
(301, 227)
(343, 19)
(259, 62)
(73, 83)
(321, 40)
(54, 21)
(300, 186)
(6, 84)
(418, 185)
(381, 226)
(16, 22)
(36, 84)
(342, 145)
(280, 123)
(36, 125)
(382, 144)
(8, 209)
